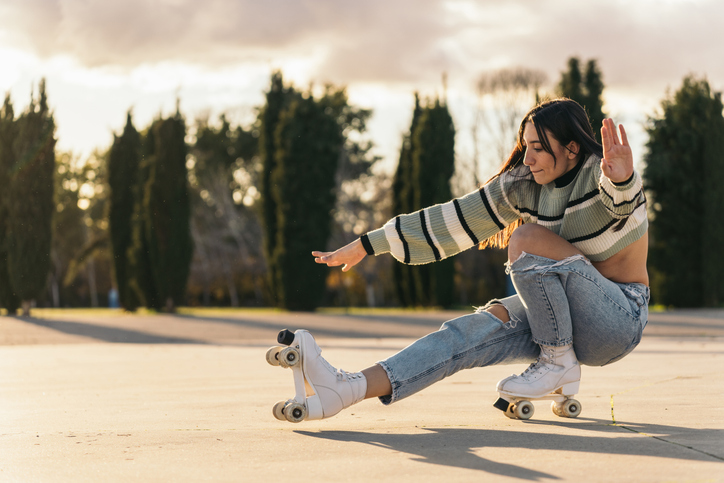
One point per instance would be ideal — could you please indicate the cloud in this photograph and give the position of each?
(129, 32)
(403, 41)
(648, 41)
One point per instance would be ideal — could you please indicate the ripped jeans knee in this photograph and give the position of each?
(527, 262)
(514, 307)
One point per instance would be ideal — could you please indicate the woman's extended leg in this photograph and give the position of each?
(378, 384)
(495, 334)
(474, 340)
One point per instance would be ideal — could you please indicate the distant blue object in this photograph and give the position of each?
(509, 288)
(113, 301)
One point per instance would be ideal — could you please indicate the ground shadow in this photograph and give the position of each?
(322, 325)
(456, 447)
(105, 333)
(323, 328)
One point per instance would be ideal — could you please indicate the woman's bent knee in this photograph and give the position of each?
(538, 240)
(522, 240)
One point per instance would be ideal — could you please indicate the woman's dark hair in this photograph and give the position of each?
(566, 121)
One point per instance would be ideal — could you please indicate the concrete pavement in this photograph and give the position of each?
(102, 396)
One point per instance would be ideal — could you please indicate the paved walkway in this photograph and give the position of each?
(102, 396)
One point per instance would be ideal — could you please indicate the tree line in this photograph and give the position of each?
(211, 213)
(27, 164)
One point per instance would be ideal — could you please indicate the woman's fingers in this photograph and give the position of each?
(321, 257)
(609, 136)
(331, 259)
(624, 138)
(320, 254)
(610, 139)
(614, 134)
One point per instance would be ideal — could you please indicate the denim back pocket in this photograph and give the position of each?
(638, 296)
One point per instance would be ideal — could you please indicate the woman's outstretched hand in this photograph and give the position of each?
(349, 256)
(617, 162)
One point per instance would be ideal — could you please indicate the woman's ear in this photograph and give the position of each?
(573, 149)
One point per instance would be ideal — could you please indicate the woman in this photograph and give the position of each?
(573, 216)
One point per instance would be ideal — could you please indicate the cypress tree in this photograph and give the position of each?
(403, 201)
(30, 200)
(8, 133)
(167, 211)
(309, 142)
(571, 81)
(278, 98)
(123, 165)
(593, 86)
(586, 89)
(684, 166)
(433, 166)
(140, 276)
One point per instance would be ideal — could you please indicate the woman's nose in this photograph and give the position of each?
(527, 159)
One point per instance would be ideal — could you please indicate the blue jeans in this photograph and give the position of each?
(558, 302)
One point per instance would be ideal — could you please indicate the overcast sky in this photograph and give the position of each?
(102, 57)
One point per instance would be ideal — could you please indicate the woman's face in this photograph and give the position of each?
(544, 167)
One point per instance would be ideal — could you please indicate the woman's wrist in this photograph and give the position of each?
(625, 182)
(364, 239)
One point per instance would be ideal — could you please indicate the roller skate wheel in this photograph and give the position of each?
(278, 410)
(571, 408)
(272, 355)
(509, 412)
(523, 410)
(289, 357)
(294, 412)
(556, 408)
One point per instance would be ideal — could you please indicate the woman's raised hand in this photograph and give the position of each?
(349, 256)
(617, 162)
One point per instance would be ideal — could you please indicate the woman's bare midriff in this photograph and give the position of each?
(628, 265)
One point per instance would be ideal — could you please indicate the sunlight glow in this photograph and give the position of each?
(13, 62)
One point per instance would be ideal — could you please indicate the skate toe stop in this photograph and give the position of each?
(501, 404)
(285, 337)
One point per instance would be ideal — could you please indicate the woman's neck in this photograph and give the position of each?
(568, 176)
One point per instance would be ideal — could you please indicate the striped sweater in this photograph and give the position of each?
(587, 212)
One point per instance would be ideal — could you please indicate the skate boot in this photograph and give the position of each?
(321, 390)
(555, 376)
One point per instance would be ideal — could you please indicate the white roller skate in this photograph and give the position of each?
(321, 390)
(555, 376)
